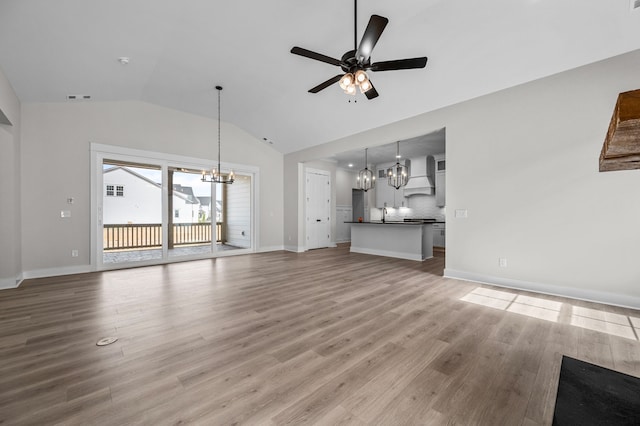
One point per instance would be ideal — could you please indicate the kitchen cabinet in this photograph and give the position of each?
(387, 196)
(403, 240)
(439, 235)
(440, 180)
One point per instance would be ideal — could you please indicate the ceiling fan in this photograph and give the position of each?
(356, 62)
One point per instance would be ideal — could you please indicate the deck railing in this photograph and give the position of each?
(149, 235)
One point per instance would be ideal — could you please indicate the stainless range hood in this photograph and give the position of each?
(422, 177)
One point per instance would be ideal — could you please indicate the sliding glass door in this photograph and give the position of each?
(236, 211)
(153, 208)
(191, 215)
(131, 212)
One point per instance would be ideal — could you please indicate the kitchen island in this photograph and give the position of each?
(404, 240)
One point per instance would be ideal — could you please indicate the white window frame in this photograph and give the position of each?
(101, 152)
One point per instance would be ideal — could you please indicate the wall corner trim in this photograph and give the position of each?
(615, 299)
(9, 283)
(294, 249)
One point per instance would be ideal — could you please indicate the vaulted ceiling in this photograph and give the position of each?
(180, 49)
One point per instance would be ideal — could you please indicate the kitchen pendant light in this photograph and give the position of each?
(366, 180)
(216, 176)
(397, 175)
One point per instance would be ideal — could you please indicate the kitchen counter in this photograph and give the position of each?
(403, 240)
(379, 222)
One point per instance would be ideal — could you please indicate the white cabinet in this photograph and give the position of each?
(387, 196)
(440, 180)
(343, 229)
(439, 235)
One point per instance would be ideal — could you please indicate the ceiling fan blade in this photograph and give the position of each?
(370, 37)
(371, 93)
(326, 84)
(400, 64)
(313, 55)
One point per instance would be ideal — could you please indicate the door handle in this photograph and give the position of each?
(318, 220)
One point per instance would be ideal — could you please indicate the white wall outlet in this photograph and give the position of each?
(461, 213)
(502, 261)
(65, 213)
(74, 253)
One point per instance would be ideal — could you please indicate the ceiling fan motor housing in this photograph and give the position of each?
(349, 63)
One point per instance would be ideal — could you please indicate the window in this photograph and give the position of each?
(115, 190)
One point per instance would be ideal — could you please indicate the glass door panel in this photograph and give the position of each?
(190, 214)
(131, 212)
(236, 214)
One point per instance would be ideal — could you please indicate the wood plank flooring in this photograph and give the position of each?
(323, 337)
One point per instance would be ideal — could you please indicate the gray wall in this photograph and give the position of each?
(524, 163)
(10, 211)
(345, 182)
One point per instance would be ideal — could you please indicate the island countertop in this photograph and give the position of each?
(379, 222)
(404, 240)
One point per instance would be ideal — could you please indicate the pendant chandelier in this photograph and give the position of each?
(366, 179)
(397, 175)
(216, 176)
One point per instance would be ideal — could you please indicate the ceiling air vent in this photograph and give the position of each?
(635, 4)
(78, 97)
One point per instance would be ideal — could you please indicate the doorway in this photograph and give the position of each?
(318, 208)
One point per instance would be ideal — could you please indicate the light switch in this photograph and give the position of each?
(461, 214)
(65, 213)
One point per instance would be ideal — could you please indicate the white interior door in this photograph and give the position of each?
(318, 208)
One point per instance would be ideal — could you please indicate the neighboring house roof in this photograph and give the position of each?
(184, 192)
(187, 191)
(205, 201)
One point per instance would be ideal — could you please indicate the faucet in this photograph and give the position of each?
(384, 211)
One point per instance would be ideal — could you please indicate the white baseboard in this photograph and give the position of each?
(54, 272)
(294, 249)
(7, 283)
(270, 248)
(615, 299)
(398, 255)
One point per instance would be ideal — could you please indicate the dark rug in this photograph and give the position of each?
(593, 395)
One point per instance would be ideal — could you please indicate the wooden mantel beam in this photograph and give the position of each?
(621, 149)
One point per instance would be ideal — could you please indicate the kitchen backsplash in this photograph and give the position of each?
(420, 206)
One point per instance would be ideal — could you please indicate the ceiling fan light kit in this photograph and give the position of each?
(356, 62)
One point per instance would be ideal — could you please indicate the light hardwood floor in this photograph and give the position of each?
(324, 337)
